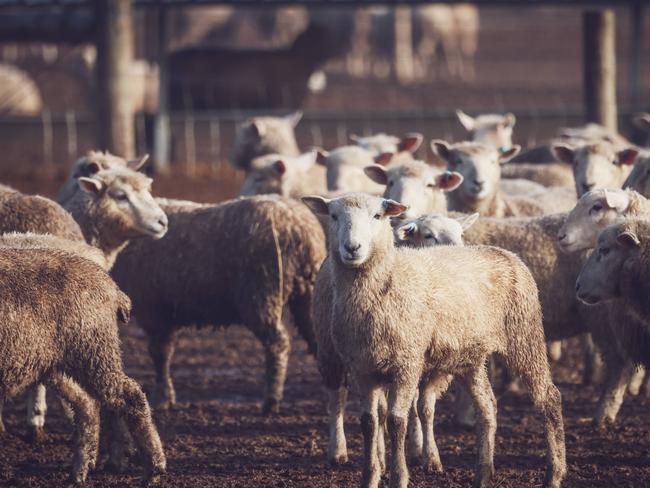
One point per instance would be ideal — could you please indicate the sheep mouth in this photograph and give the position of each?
(352, 261)
(567, 247)
(157, 231)
(589, 299)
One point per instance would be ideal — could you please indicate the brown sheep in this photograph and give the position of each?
(71, 342)
(191, 277)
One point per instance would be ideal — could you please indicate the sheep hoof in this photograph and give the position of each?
(552, 481)
(153, 476)
(271, 407)
(36, 435)
(339, 459)
(79, 476)
(415, 459)
(484, 476)
(432, 466)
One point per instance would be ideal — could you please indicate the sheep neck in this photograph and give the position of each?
(487, 207)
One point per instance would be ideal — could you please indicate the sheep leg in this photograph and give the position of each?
(337, 451)
(554, 350)
(464, 407)
(300, 307)
(36, 409)
(2, 424)
(547, 399)
(161, 349)
(617, 377)
(415, 435)
(400, 398)
(479, 388)
(634, 386)
(116, 441)
(427, 408)
(275, 339)
(86, 415)
(382, 413)
(594, 366)
(124, 397)
(370, 394)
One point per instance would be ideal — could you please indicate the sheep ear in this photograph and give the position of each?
(507, 154)
(410, 142)
(280, 166)
(466, 221)
(321, 157)
(90, 185)
(441, 149)
(509, 120)
(564, 153)
(384, 158)
(618, 200)
(317, 204)
(137, 164)
(376, 173)
(294, 118)
(449, 180)
(258, 127)
(642, 121)
(627, 156)
(465, 120)
(628, 239)
(393, 208)
(403, 232)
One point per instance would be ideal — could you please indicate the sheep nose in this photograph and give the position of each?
(561, 238)
(478, 184)
(163, 221)
(352, 248)
(577, 286)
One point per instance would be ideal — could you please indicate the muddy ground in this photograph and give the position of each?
(215, 436)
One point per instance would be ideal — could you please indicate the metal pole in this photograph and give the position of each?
(162, 136)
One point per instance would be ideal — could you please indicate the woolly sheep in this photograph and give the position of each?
(259, 136)
(549, 174)
(190, 277)
(490, 306)
(377, 144)
(420, 186)
(71, 342)
(434, 230)
(597, 165)
(596, 210)
(493, 130)
(480, 192)
(283, 175)
(344, 166)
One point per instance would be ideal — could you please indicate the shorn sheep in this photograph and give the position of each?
(344, 166)
(398, 321)
(597, 164)
(60, 327)
(434, 230)
(238, 262)
(282, 175)
(480, 166)
(617, 273)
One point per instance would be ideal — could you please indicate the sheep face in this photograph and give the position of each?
(383, 143)
(600, 276)
(639, 178)
(357, 222)
(434, 230)
(275, 174)
(480, 166)
(417, 185)
(493, 130)
(596, 165)
(594, 211)
(345, 168)
(125, 195)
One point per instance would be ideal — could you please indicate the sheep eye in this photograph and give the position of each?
(121, 196)
(604, 251)
(431, 185)
(390, 184)
(429, 236)
(377, 216)
(596, 208)
(334, 217)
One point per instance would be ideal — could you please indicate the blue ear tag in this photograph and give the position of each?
(503, 149)
(410, 229)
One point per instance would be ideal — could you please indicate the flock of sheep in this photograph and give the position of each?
(401, 275)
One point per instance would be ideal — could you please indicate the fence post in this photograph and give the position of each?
(162, 133)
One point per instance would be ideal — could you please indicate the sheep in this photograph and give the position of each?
(259, 136)
(596, 210)
(186, 279)
(434, 230)
(494, 130)
(403, 148)
(639, 177)
(59, 327)
(90, 164)
(480, 167)
(344, 167)
(283, 175)
(445, 327)
(114, 206)
(597, 164)
(420, 186)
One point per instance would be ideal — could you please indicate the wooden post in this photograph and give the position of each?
(636, 62)
(162, 143)
(403, 44)
(600, 67)
(115, 124)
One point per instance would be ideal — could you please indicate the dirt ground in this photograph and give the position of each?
(215, 435)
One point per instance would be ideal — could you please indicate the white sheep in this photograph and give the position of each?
(405, 317)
